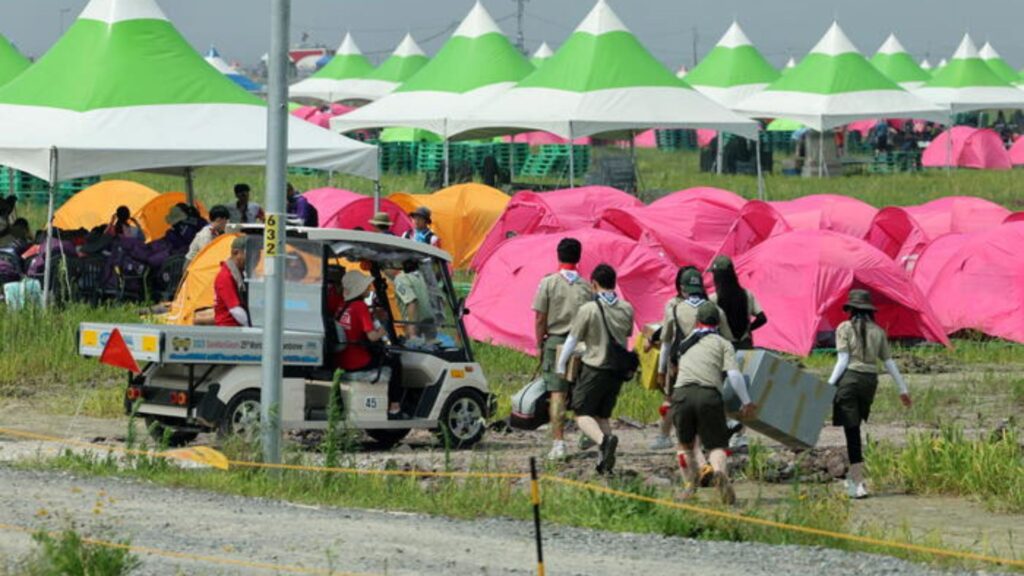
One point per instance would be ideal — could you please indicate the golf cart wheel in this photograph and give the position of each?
(242, 417)
(161, 431)
(387, 438)
(462, 421)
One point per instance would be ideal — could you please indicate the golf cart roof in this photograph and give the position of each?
(383, 246)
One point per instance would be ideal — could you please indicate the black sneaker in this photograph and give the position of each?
(606, 463)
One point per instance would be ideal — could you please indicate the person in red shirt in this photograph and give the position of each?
(360, 351)
(228, 289)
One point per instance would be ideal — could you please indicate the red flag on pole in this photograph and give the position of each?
(117, 354)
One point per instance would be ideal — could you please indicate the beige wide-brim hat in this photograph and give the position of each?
(175, 215)
(382, 219)
(354, 285)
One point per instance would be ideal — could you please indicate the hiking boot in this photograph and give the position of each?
(861, 492)
(661, 443)
(558, 451)
(705, 475)
(586, 443)
(607, 460)
(725, 490)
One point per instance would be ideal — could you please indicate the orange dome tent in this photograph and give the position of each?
(153, 216)
(463, 215)
(95, 205)
(196, 290)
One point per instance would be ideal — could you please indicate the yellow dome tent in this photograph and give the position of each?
(153, 216)
(462, 215)
(95, 205)
(196, 290)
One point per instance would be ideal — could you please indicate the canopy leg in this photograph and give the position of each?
(949, 147)
(376, 195)
(190, 187)
(719, 153)
(572, 159)
(821, 154)
(47, 250)
(632, 157)
(447, 158)
(761, 193)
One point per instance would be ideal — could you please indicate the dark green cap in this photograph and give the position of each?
(692, 283)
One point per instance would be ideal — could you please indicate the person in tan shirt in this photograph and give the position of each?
(697, 405)
(743, 313)
(558, 299)
(861, 345)
(606, 318)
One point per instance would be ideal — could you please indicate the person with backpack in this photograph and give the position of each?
(698, 409)
(861, 345)
(743, 314)
(604, 325)
(421, 218)
(679, 321)
(559, 298)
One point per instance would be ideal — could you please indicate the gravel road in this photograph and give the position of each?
(370, 542)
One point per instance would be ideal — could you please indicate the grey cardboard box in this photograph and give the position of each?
(793, 404)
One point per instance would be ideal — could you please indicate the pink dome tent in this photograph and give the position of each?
(897, 233)
(348, 210)
(689, 224)
(321, 118)
(759, 221)
(647, 139)
(503, 292)
(802, 279)
(1015, 217)
(981, 287)
(556, 211)
(1017, 152)
(934, 257)
(981, 149)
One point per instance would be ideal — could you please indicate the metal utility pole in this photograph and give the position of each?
(273, 242)
(520, 13)
(695, 38)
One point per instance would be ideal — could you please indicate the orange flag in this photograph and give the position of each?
(117, 354)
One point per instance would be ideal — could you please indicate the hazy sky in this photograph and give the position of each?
(780, 28)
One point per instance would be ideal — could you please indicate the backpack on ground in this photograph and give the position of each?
(530, 406)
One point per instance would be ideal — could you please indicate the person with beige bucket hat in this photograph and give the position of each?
(861, 345)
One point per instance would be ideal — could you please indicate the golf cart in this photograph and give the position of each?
(205, 378)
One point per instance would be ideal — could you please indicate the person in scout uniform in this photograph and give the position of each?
(422, 219)
(559, 297)
(414, 301)
(597, 389)
(743, 314)
(861, 345)
(697, 405)
(679, 321)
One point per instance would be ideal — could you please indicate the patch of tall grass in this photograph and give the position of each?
(990, 469)
(68, 553)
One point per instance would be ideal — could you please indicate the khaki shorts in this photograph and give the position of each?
(699, 410)
(548, 363)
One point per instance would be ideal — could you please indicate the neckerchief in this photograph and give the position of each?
(609, 298)
(694, 301)
(571, 276)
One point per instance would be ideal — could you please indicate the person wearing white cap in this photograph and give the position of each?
(422, 219)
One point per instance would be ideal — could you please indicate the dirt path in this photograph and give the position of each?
(369, 542)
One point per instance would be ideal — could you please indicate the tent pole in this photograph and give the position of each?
(632, 157)
(760, 172)
(821, 154)
(719, 154)
(447, 157)
(190, 187)
(48, 254)
(376, 195)
(273, 241)
(572, 159)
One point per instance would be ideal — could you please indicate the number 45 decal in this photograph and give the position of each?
(372, 403)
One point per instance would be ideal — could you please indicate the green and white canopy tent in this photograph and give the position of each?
(475, 65)
(541, 55)
(790, 64)
(12, 63)
(733, 70)
(122, 90)
(407, 59)
(682, 71)
(997, 64)
(967, 84)
(601, 81)
(833, 86)
(942, 64)
(341, 79)
(927, 67)
(893, 60)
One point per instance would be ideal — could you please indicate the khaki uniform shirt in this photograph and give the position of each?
(410, 287)
(863, 358)
(753, 309)
(589, 329)
(561, 301)
(202, 238)
(681, 311)
(706, 361)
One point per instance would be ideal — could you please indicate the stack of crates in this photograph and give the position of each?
(503, 153)
(430, 157)
(302, 171)
(781, 142)
(398, 157)
(553, 159)
(29, 189)
(670, 140)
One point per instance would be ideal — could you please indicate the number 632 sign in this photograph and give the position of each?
(272, 235)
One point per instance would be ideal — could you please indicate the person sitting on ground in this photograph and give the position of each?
(421, 219)
(229, 290)
(300, 208)
(362, 350)
(382, 223)
(743, 313)
(860, 345)
(697, 405)
(219, 217)
(123, 225)
(243, 211)
(597, 388)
